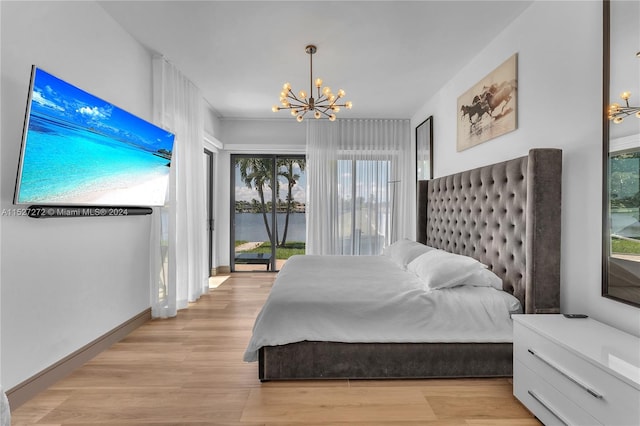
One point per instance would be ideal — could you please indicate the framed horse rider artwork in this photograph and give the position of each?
(489, 108)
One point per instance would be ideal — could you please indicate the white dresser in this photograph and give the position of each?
(576, 371)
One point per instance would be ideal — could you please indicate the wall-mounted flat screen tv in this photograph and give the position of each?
(78, 149)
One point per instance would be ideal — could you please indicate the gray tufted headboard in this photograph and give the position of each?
(506, 215)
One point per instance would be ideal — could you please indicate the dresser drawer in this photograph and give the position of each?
(603, 396)
(549, 405)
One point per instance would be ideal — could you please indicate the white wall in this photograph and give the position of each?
(66, 281)
(264, 135)
(212, 124)
(559, 46)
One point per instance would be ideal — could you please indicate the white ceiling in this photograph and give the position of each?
(389, 56)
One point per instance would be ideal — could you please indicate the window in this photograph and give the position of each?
(364, 205)
(624, 188)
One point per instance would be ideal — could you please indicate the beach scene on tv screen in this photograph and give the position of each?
(80, 149)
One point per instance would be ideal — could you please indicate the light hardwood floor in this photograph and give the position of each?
(189, 371)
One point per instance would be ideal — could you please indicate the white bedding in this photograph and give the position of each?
(371, 299)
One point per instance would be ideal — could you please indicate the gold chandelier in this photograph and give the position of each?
(324, 106)
(617, 112)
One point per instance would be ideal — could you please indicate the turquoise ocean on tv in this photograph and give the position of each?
(67, 163)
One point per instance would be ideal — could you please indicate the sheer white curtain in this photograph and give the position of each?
(358, 176)
(178, 248)
(5, 411)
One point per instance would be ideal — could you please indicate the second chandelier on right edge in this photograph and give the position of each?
(617, 112)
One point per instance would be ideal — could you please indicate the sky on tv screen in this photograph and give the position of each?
(80, 149)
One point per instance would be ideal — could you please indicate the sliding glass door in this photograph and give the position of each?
(268, 220)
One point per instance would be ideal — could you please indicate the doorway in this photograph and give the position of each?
(209, 164)
(268, 210)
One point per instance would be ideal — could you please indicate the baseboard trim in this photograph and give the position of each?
(26, 390)
(219, 270)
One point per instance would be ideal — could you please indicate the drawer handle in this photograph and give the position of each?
(546, 406)
(565, 374)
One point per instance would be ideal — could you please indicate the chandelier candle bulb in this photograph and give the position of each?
(617, 113)
(323, 107)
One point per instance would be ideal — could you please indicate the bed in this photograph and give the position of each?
(505, 217)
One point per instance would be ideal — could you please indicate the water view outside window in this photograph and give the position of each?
(623, 262)
(625, 205)
(269, 218)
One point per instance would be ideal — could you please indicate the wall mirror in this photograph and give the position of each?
(621, 152)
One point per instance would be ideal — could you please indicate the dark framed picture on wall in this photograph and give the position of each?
(424, 150)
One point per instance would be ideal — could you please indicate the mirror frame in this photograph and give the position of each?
(606, 76)
(424, 143)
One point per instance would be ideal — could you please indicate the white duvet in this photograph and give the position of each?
(371, 299)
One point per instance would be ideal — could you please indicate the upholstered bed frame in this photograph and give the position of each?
(506, 215)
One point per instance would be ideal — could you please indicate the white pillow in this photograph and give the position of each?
(511, 302)
(388, 250)
(404, 251)
(484, 278)
(440, 269)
